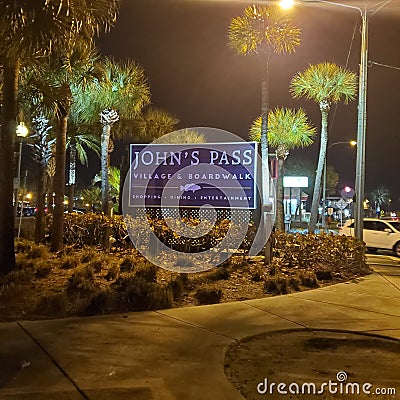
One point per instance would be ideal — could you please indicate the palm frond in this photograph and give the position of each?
(325, 82)
(261, 28)
(287, 128)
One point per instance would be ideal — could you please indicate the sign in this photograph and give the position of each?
(341, 204)
(295, 181)
(16, 183)
(222, 175)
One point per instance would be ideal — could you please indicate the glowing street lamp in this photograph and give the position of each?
(22, 132)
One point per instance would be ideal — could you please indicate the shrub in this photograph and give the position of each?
(81, 282)
(220, 273)
(54, 305)
(99, 303)
(257, 273)
(137, 294)
(178, 285)
(88, 256)
(113, 272)
(208, 295)
(323, 275)
(22, 246)
(309, 281)
(282, 286)
(69, 262)
(294, 283)
(271, 287)
(43, 269)
(127, 264)
(98, 264)
(18, 276)
(37, 251)
(147, 272)
(304, 251)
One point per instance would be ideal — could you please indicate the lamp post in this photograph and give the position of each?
(362, 107)
(351, 143)
(22, 132)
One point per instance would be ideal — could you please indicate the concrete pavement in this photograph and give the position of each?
(178, 354)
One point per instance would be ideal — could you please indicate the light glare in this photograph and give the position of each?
(286, 4)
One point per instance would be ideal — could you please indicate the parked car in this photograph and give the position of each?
(377, 234)
(27, 211)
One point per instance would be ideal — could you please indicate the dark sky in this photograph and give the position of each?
(182, 45)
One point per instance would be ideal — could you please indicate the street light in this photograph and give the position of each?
(352, 143)
(22, 132)
(362, 108)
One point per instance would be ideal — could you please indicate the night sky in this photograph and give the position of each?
(193, 74)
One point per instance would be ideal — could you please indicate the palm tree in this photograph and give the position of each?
(28, 30)
(154, 123)
(92, 197)
(381, 197)
(42, 150)
(287, 129)
(122, 92)
(114, 179)
(263, 30)
(326, 84)
(76, 144)
(181, 137)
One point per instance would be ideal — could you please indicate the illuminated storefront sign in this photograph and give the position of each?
(222, 175)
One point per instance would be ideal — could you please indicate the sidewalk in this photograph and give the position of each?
(179, 353)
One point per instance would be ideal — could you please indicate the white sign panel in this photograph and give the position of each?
(295, 181)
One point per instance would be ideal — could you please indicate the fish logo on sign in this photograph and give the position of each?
(190, 187)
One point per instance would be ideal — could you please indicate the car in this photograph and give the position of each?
(27, 211)
(377, 234)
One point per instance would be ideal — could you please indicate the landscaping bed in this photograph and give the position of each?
(88, 280)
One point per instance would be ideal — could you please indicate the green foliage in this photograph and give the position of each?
(207, 295)
(81, 282)
(37, 251)
(325, 82)
(99, 303)
(276, 286)
(147, 272)
(287, 128)
(136, 294)
(263, 28)
(178, 285)
(127, 264)
(89, 229)
(43, 269)
(69, 262)
(309, 281)
(220, 273)
(54, 305)
(313, 250)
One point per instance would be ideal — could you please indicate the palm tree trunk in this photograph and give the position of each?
(7, 138)
(324, 107)
(105, 186)
(59, 184)
(280, 218)
(40, 214)
(71, 180)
